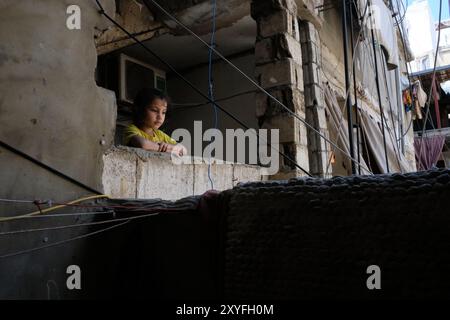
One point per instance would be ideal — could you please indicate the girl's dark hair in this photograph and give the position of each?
(142, 100)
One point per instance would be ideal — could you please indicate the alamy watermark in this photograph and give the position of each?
(237, 145)
(374, 280)
(73, 21)
(74, 279)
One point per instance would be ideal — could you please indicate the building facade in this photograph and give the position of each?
(63, 105)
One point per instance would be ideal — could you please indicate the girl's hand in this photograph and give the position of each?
(164, 147)
(179, 150)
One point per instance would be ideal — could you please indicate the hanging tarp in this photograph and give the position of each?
(339, 127)
(384, 29)
(371, 125)
(428, 150)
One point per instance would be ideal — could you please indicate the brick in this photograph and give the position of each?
(314, 96)
(265, 51)
(279, 22)
(277, 48)
(311, 74)
(280, 73)
(292, 48)
(299, 153)
(288, 126)
(262, 103)
(291, 97)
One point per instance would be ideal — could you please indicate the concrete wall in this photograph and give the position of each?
(136, 173)
(227, 82)
(50, 106)
(52, 110)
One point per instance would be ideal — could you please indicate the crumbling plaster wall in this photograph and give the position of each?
(134, 16)
(51, 109)
(50, 106)
(146, 24)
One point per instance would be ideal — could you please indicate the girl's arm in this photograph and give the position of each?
(140, 142)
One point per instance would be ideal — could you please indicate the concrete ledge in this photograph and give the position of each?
(140, 174)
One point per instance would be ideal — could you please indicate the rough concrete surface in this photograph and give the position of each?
(136, 173)
(50, 105)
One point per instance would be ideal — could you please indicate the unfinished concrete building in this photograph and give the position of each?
(66, 95)
(292, 49)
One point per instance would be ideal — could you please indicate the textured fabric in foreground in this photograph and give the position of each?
(308, 238)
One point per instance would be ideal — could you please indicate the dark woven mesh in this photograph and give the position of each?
(311, 238)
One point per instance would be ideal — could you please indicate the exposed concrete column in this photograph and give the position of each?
(278, 59)
(314, 99)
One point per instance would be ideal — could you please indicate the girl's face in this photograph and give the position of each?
(156, 113)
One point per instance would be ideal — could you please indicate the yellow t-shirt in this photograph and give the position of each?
(159, 136)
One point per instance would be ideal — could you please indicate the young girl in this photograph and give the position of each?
(149, 112)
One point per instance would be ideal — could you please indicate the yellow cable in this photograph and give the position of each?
(34, 213)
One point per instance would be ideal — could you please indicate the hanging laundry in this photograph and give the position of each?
(421, 95)
(420, 99)
(407, 100)
(428, 150)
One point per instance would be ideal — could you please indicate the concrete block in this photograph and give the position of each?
(221, 174)
(288, 126)
(308, 32)
(158, 177)
(278, 22)
(311, 73)
(291, 97)
(280, 73)
(291, 46)
(261, 103)
(246, 173)
(277, 48)
(296, 152)
(265, 51)
(310, 53)
(307, 12)
(298, 98)
(314, 96)
(287, 174)
(119, 174)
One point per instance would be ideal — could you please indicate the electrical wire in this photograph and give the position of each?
(128, 207)
(73, 214)
(3, 219)
(394, 141)
(75, 225)
(200, 104)
(210, 81)
(16, 201)
(347, 95)
(432, 81)
(402, 17)
(402, 37)
(190, 84)
(48, 168)
(378, 90)
(397, 152)
(289, 111)
(61, 242)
